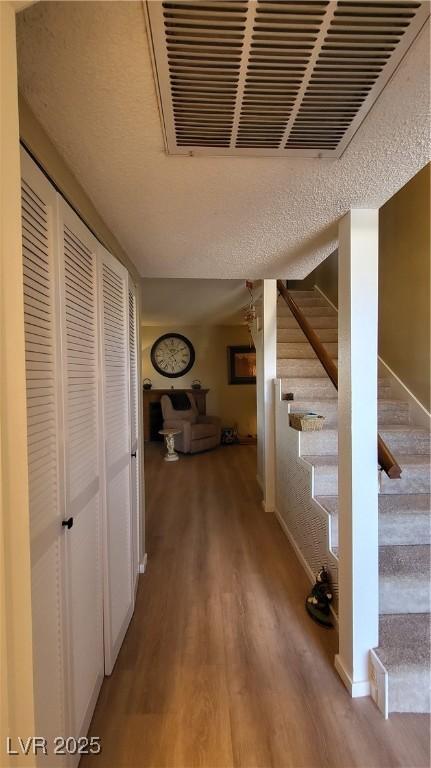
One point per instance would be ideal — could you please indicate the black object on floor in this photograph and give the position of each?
(320, 598)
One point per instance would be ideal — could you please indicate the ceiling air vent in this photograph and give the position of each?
(274, 77)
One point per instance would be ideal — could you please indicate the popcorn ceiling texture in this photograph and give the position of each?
(85, 71)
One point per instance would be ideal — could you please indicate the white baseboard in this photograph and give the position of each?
(419, 414)
(268, 507)
(143, 565)
(356, 689)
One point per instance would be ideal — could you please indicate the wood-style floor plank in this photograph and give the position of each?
(221, 667)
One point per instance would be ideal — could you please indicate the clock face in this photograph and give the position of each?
(172, 355)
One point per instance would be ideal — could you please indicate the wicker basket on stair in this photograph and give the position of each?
(306, 422)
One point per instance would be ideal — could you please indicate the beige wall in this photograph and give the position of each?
(233, 403)
(325, 276)
(404, 285)
(16, 658)
(38, 142)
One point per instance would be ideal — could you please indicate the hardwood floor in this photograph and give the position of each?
(221, 665)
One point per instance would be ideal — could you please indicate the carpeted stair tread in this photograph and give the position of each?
(295, 334)
(391, 412)
(322, 461)
(404, 638)
(404, 651)
(319, 388)
(319, 321)
(415, 477)
(389, 504)
(302, 349)
(401, 439)
(301, 294)
(403, 519)
(404, 578)
(404, 503)
(406, 439)
(321, 310)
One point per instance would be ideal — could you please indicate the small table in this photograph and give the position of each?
(169, 435)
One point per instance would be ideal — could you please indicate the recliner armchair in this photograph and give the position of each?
(198, 433)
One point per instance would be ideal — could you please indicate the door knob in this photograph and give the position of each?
(67, 523)
(133, 455)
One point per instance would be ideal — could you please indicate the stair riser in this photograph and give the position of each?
(305, 301)
(413, 480)
(319, 311)
(325, 442)
(300, 368)
(407, 443)
(409, 690)
(408, 530)
(297, 294)
(318, 321)
(298, 350)
(404, 594)
(295, 334)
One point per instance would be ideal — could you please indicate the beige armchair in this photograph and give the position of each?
(198, 433)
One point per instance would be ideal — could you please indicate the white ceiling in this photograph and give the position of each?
(193, 301)
(85, 70)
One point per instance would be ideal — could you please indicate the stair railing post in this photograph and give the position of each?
(357, 451)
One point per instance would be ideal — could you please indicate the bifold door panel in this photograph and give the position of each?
(79, 302)
(40, 257)
(82, 421)
(134, 434)
(119, 599)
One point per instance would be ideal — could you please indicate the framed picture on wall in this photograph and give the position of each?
(241, 365)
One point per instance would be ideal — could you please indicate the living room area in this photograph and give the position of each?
(198, 363)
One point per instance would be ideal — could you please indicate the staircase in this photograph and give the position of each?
(404, 504)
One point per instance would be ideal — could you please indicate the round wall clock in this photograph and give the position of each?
(172, 355)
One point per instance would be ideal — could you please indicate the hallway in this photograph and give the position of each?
(221, 666)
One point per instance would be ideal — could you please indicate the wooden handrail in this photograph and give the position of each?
(385, 457)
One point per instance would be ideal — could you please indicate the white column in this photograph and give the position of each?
(269, 300)
(357, 447)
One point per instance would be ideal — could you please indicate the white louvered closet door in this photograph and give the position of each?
(40, 258)
(134, 433)
(119, 592)
(80, 341)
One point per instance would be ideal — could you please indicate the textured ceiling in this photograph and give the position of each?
(86, 73)
(193, 302)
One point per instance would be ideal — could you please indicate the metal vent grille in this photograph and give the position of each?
(274, 77)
